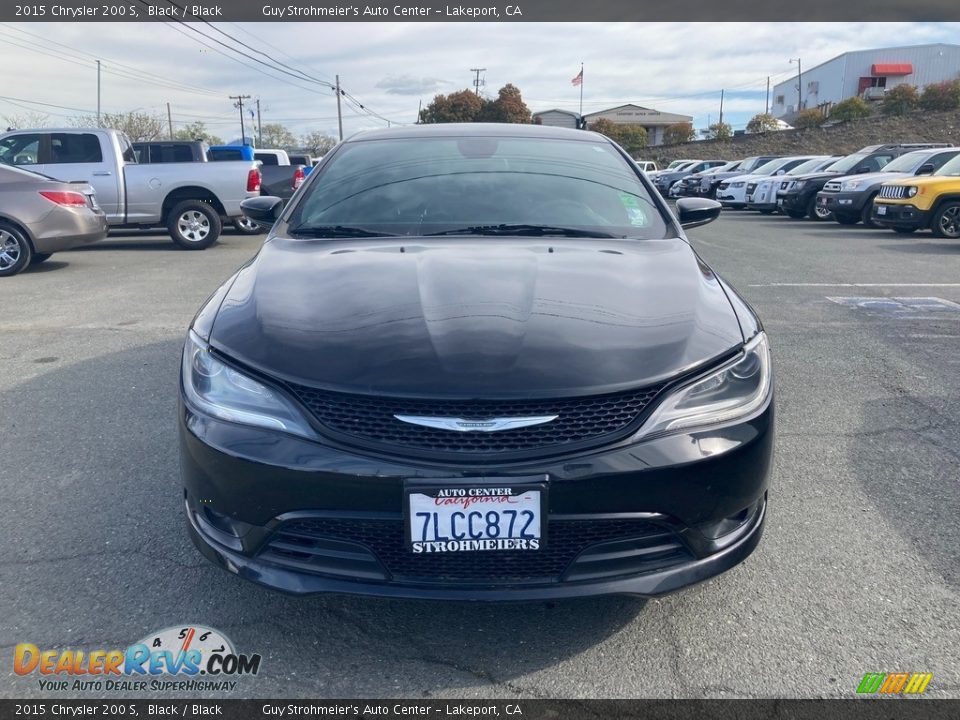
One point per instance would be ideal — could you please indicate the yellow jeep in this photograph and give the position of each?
(918, 203)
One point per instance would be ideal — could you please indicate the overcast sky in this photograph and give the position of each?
(390, 67)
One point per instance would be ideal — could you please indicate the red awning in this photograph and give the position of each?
(891, 69)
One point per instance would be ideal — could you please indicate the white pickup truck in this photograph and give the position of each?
(192, 200)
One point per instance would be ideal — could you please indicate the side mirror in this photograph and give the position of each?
(264, 210)
(780, 172)
(694, 212)
(926, 169)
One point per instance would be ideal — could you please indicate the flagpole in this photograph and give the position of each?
(581, 90)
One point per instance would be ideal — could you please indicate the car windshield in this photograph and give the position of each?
(847, 163)
(805, 167)
(477, 185)
(676, 164)
(768, 168)
(906, 163)
(951, 167)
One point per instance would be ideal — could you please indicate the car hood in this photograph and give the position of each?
(475, 317)
(816, 176)
(921, 180)
(870, 178)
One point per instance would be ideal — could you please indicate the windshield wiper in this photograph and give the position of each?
(517, 229)
(338, 231)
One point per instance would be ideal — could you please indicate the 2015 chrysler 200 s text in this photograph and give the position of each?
(476, 362)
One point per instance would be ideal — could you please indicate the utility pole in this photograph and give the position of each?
(169, 121)
(476, 79)
(259, 126)
(799, 90)
(339, 113)
(419, 108)
(98, 93)
(720, 122)
(766, 110)
(239, 104)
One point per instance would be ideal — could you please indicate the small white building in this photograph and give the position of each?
(654, 121)
(866, 73)
(557, 118)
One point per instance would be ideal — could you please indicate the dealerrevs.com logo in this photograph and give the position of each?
(190, 658)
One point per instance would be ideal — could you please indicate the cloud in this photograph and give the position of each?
(410, 85)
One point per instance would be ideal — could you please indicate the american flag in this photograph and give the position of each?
(578, 80)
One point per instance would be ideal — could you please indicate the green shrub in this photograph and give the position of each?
(761, 123)
(806, 119)
(900, 100)
(853, 108)
(941, 96)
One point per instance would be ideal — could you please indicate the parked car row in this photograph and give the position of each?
(901, 186)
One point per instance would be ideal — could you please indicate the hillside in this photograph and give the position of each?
(838, 139)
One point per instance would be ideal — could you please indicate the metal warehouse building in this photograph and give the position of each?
(866, 73)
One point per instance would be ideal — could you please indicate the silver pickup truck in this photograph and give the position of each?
(192, 200)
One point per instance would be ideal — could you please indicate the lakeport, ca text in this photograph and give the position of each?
(361, 11)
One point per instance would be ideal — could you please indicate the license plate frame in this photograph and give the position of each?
(881, 209)
(434, 487)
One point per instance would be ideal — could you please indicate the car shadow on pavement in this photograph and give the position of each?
(92, 493)
(48, 266)
(922, 247)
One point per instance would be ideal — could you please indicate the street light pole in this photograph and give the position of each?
(799, 86)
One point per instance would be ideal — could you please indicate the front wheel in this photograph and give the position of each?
(15, 251)
(246, 226)
(818, 212)
(194, 225)
(946, 221)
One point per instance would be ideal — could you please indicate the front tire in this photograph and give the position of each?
(818, 212)
(246, 226)
(194, 225)
(15, 251)
(866, 217)
(946, 221)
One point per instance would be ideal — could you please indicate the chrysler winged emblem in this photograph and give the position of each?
(470, 425)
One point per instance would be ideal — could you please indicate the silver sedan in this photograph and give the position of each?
(40, 216)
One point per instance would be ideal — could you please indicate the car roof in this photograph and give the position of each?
(478, 130)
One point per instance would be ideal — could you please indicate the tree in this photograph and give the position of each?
(854, 108)
(317, 143)
(26, 120)
(276, 135)
(678, 133)
(462, 106)
(900, 100)
(720, 131)
(632, 138)
(941, 96)
(809, 118)
(762, 122)
(509, 107)
(136, 125)
(196, 131)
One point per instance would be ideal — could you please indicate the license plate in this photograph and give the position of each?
(749, 198)
(881, 209)
(476, 517)
(779, 202)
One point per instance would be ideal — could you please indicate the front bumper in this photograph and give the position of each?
(734, 197)
(843, 203)
(644, 519)
(900, 216)
(792, 200)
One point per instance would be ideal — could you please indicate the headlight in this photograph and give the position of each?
(850, 185)
(798, 184)
(739, 184)
(735, 391)
(216, 389)
(912, 190)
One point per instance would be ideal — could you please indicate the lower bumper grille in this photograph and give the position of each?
(575, 550)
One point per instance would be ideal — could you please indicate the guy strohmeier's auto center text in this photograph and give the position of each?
(405, 11)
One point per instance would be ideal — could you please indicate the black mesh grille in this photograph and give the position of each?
(579, 420)
(566, 539)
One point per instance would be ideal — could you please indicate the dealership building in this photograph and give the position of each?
(865, 73)
(653, 121)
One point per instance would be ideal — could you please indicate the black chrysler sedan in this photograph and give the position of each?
(476, 362)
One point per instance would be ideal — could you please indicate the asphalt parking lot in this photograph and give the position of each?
(857, 571)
